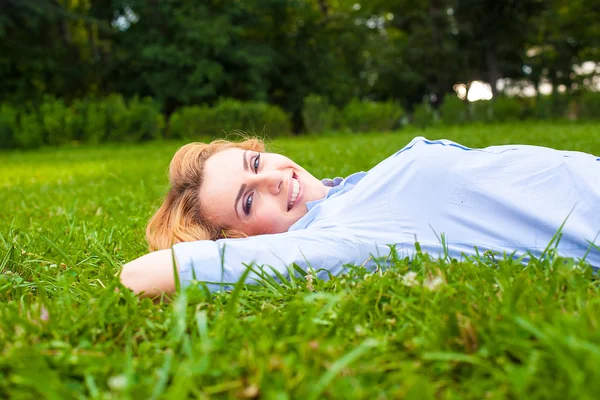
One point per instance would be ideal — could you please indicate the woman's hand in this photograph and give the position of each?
(151, 275)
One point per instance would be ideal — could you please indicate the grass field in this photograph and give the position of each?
(69, 218)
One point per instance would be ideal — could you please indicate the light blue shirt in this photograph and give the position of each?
(507, 199)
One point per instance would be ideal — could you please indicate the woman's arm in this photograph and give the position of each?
(220, 264)
(151, 275)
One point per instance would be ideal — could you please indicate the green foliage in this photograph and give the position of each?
(227, 116)
(490, 329)
(55, 117)
(132, 121)
(481, 111)
(95, 121)
(424, 115)
(589, 105)
(550, 107)
(370, 116)
(75, 120)
(506, 109)
(319, 116)
(8, 125)
(30, 132)
(255, 117)
(189, 122)
(144, 120)
(91, 121)
(117, 118)
(453, 110)
(280, 51)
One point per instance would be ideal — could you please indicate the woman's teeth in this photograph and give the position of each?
(295, 190)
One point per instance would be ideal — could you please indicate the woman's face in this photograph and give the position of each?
(256, 193)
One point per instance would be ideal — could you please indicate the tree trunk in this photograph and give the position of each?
(324, 7)
(63, 25)
(493, 71)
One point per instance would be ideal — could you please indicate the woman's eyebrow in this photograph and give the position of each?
(237, 199)
(245, 160)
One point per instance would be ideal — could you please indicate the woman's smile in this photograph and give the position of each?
(294, 189)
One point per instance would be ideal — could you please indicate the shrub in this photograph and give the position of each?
(8, 125)
(589, 105)
(424, 115)
(552, 106)
(506, 109)
(117, 118)
(226, 116)
(453, 110)
(481, 111)
(54, 115)
(249, 116)
(320, 116)
(365, 116)
(30, 133)
(144, 120)
(95, 121)
(75, 120)
(134, 121)
(528, 105)
(189, 122)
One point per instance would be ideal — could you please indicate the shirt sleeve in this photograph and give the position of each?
(220, 264)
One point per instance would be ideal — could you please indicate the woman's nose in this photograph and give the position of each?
(271, 181)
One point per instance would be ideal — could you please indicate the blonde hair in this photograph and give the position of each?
(179, 218)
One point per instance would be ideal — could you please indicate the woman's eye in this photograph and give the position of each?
(256, 162)
(248, 204)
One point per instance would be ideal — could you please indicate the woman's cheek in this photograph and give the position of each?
(269, 222)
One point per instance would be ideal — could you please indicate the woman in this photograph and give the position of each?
(231, 206)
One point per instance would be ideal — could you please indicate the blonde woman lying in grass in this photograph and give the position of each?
(231, 205)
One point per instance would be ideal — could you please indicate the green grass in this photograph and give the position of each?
(69, 218)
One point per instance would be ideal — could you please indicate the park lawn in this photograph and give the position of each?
(70, 217)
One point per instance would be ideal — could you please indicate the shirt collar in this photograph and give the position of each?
(337, 187)
(334, 185)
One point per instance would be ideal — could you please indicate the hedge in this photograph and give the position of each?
(54, 122)
(227, 116)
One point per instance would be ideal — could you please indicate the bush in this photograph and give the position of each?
(94, 121)
(8, 125)
(255, 117)
(117, 118)
(54, 115)
(423, 115)
(506, 109)
(30, 133)
(552, 106)
(481, 111)
(320, 116)
(75, 120)
(186, 122)
(453, 110)
(528, 105)
(227, 116)
(144, 120)
(365, 116)
(134, 121)
(589, 105)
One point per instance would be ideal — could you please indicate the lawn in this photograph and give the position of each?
(70, 217)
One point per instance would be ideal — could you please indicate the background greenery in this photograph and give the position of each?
(455, 330)
(119, 70)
